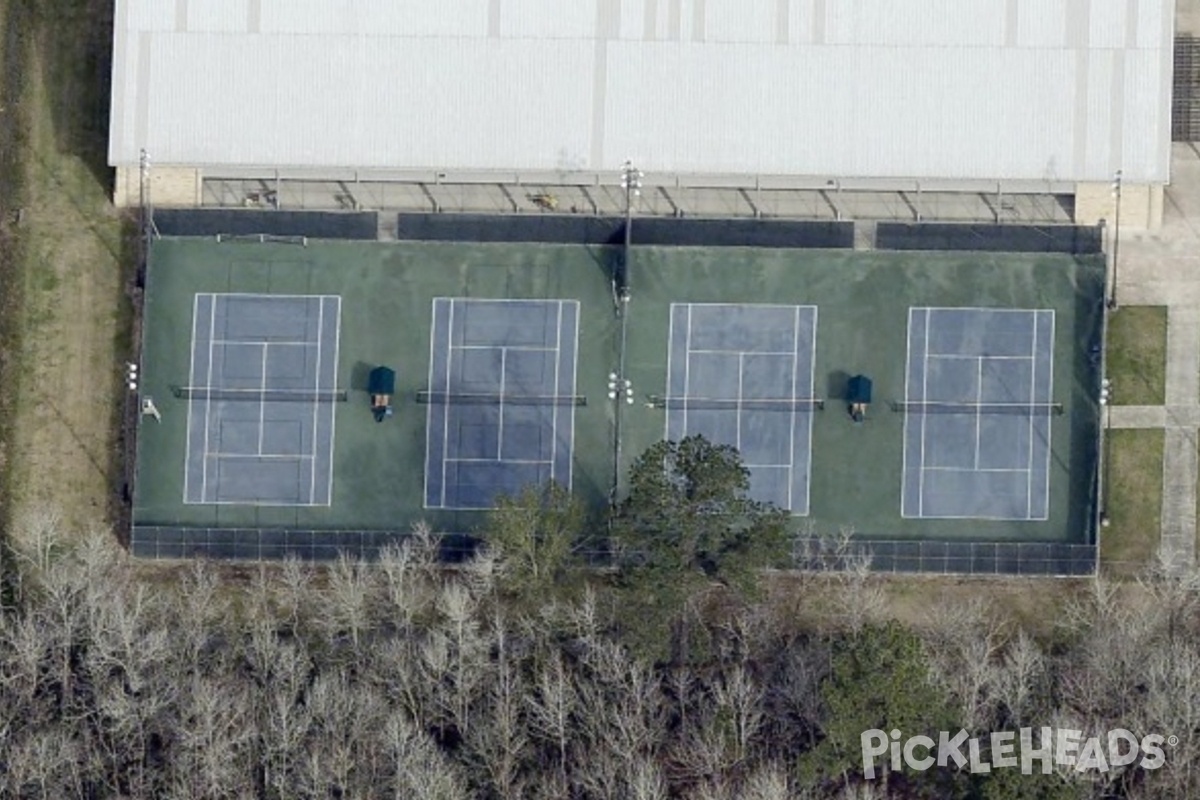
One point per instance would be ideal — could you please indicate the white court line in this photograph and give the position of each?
(429, 410)
(959, 356)
(975, 469)
(337, 348)
(554, 408)
(787, 306)
(262, 403)
(737, 435)
(574, 376)
(251, 343)
(978, 409)
(908, 357)
(294, 457)
(687, 363)
(708, 351)
(924, 416)
(1049, 420)
(500, 411)
(520, 347)
(212, 327)
(1032, 400)
(312, 483)
(812, 389)
(464, 460)
(792, 421)
(272, 295)
(446, 422)
(187, 453)
(667, 388)
(767, 466)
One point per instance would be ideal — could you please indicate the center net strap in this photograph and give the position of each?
(983, 409)
(259, 395)
(485, 399)
(745, 404)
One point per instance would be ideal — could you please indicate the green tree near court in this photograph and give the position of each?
(689, 514)
(879, 679)
(535, 531)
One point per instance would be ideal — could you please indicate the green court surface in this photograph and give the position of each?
(387, 291)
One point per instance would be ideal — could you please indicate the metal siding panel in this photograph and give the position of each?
(375, 18)
(1107, 23)
(1041, 23)
(739, 21)
(216, 16)
(548, 18)
(633, 19)
(456, 101)
(800, 22)
(918, 23)
(1098, 157)
(150, 16)
(1144, 121)
(1150, 22)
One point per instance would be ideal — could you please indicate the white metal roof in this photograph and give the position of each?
(1054, 90)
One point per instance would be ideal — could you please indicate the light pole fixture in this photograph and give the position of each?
(1112, 290)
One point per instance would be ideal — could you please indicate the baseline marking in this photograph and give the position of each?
(262, 403)
(737, 436)
(812, 388)
(500, 413)
(187, 453)
(792, 422)
(924, 394)
(1032, 399)
(978, 408)
(212, 328)
(312, 483)
(574, 387)
(446, 428)
(337, 350)
(554, 408)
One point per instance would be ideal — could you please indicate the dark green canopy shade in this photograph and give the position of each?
(382, 380)
(858, 390)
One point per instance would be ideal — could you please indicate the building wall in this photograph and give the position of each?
(1006, 90)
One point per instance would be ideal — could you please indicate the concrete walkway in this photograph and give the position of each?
(1162, 268)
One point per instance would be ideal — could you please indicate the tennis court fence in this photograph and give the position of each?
(809, 554)
(947, 558)
(273, 544)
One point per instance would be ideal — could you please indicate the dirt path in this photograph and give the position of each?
(65, 310)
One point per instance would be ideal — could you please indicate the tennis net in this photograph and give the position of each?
(980, 409)
(734, 404)
(260, 395)
(484, 399)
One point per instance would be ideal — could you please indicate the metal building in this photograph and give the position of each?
(1047, 96)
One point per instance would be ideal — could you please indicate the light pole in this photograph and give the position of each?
(631, 182)
(1112, 291)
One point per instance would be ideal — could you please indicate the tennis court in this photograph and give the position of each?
(978, 412)
(260, 421)
(741, 374)
(257, 355)
(501, 410)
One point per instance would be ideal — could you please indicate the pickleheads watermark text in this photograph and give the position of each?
(1045, 747)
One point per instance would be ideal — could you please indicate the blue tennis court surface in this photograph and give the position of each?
(522, 353)
(985, 453)
(744, 372)
(244, 445)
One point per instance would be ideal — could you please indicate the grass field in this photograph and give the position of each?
(63, 313)
(1130, 541)
(386, 294)
(1137, 355)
